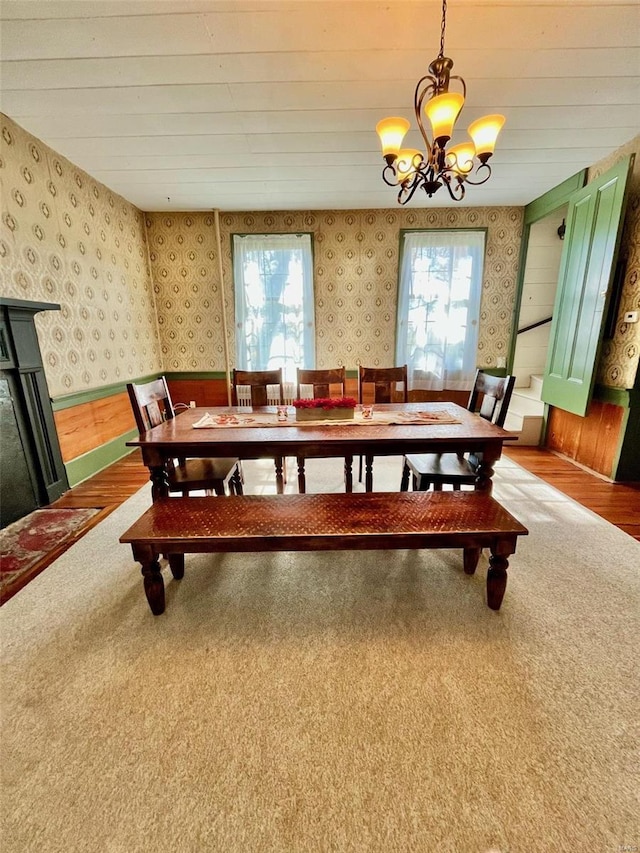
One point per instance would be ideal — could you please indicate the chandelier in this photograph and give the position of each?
(465, 163)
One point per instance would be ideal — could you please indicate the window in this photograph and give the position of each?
(438, 307)
(273, 282)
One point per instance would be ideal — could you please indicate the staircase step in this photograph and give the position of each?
(536, 385)
(528, 427)
(524, 401)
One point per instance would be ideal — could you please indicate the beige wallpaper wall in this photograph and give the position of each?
(355, 274)
(621, 355)
(66, 238)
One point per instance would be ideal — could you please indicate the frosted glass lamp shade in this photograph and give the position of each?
(442, 111)
(391, 132)
(484, 133)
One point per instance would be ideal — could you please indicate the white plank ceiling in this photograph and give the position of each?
(272, 104)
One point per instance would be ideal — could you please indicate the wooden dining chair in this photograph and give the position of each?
(381, 385)
(259, 388)
(319, 383)
(314, 384)
(493, 393)
(256, 388)
(151, 404)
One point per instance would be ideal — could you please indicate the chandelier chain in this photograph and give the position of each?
(442, 28)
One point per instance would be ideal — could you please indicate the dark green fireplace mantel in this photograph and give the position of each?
(28, 423)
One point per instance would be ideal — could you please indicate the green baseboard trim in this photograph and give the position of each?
(90, 463)
(67, 401)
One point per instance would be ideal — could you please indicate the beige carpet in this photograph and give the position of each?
(344, 702)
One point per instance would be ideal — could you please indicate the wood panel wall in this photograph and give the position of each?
(89, 425)
(593, 440)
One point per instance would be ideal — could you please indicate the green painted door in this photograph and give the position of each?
(588, 260)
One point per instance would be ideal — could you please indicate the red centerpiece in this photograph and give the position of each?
(325, 409)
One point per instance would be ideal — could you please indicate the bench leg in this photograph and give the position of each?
(496, 580)
(470, 559)
(152, 576)
(176, 564)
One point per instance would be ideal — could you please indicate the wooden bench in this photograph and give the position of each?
(324, 522)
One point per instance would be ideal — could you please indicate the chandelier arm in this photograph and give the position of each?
(464, 85)
(389, 169)
(418, 99)
(483, 180)
(408, 190)
(457, 194)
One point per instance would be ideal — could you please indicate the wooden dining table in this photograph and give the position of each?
(257, 434)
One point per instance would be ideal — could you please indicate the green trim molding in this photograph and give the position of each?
(85, 466)
(553, 199)
(67, 401)
(617, 396)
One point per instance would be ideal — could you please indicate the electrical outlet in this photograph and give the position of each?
(192, 404)
(631, 317)
(501, 361)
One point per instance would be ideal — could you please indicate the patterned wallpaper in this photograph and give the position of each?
(68, 239)
(355, 275)
(620, 356)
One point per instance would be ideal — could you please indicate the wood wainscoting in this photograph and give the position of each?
(593, 441)
(93, 433)
(87, 426)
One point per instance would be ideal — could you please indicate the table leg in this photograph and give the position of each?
(484, 477)
(348, 473)
(159, 482)
(368, 473)
(279, 475)
(302, 482)
(487, 458)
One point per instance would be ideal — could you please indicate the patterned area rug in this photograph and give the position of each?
(29, 545)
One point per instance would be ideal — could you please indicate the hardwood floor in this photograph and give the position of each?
(618, 503)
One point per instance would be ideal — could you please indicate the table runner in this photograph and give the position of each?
(224, 421)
